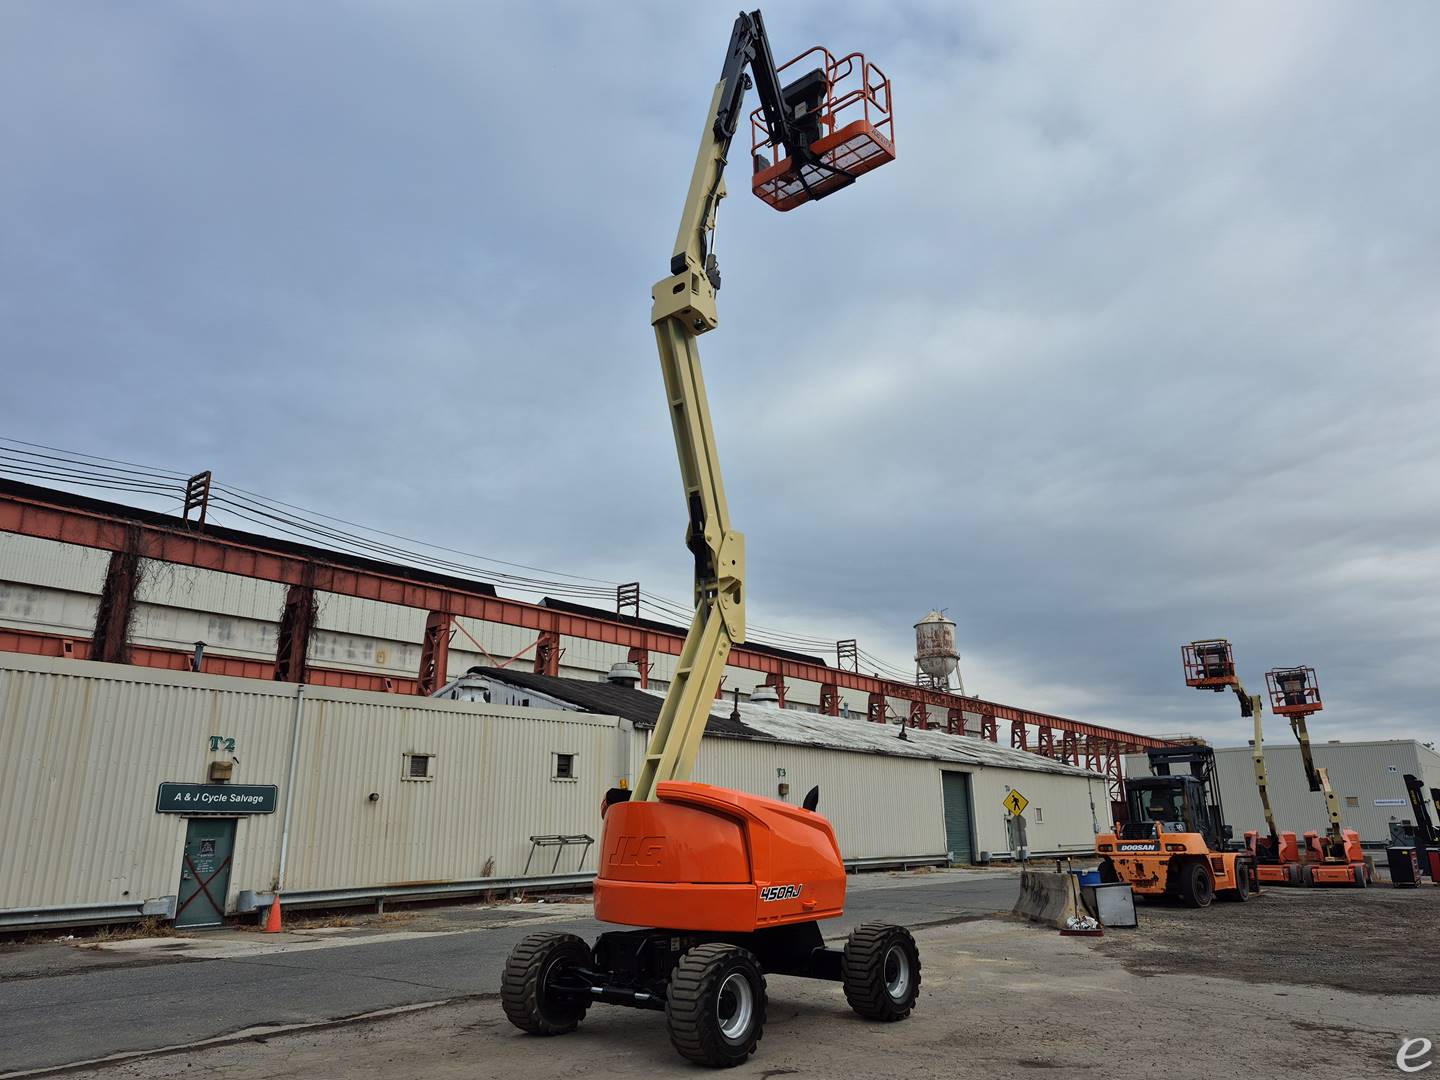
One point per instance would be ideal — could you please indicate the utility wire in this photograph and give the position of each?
(21, 458)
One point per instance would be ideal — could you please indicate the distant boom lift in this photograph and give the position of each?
(1337, 857)
(726, 887)
(1210, 665)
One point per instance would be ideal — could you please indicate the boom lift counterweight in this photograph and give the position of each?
(725, 887)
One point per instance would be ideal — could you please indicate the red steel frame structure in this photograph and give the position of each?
(38, 512)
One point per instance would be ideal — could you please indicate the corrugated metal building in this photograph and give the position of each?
(1368, 778)
(897, 807)
(401, 795)
(49, 587)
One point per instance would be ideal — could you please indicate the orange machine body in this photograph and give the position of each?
(1328, 864)
(708, 858)
(1284, 868)
(1147, 865)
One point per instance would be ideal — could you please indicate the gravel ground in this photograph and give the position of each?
(1000, 998)
(1379, 940)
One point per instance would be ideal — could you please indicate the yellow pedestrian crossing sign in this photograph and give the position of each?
(1015, 802)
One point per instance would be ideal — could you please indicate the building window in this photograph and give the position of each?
(1039, 816)
(419, 767)
(1352, 800)
(564, 767)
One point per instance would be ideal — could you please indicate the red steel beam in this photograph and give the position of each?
(34, 516)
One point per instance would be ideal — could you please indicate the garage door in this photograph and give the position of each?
(958, 831)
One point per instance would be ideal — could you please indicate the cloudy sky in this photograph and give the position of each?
(1136, 342)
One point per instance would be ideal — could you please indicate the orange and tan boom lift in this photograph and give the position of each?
(1335, 858)
(1210, 665)
(724, 888)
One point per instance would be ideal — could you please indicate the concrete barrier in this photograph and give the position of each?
(1048, 898)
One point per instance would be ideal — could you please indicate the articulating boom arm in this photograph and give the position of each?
(684, 308)
(1302, 736)
(1253, 705)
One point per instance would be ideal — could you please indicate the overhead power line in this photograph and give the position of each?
(55, 465)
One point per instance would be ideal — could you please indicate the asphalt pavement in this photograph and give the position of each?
(149, 998)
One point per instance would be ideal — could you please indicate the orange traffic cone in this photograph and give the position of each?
(272, 921)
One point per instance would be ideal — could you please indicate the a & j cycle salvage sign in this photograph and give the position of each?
(216, 799)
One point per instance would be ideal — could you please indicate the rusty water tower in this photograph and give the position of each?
(936, 657)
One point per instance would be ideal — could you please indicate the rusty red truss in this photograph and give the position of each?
(61, 516)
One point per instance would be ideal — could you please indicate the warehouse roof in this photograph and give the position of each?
(674, 628)
(791, 726)
(640, 707)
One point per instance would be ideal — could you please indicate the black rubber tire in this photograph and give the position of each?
(1307, 875)
(1241, 892)
(881, 971)
(697, 1000)
(1108, 874)
(1197, 884)
(1361, 881)
(523, 993)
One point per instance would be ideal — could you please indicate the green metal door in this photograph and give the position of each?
(205, 872)
(959, 834)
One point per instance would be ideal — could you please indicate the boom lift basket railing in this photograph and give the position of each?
(843, 106)
(1293, 690)
(1209, 665)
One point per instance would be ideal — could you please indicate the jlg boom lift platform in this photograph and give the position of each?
(1337, 857)
(1175, 843)
(1210, 665)
(726, 887)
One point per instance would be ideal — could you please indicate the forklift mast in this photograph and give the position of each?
(1425, 829)
(1200, 763)
(821, 155)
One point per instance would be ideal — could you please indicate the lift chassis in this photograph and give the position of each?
(723, 887)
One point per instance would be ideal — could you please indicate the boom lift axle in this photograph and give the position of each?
(725, 887)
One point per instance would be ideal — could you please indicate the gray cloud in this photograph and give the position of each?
(1136, 342)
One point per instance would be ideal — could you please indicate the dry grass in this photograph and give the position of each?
(146, 928)
(319, 923)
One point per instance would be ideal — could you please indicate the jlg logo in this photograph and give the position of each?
(637, 851)
(780, 892)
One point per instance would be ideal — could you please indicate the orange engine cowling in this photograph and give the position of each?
(708, 858)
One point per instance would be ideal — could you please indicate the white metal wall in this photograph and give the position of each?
(880, 807)
(1361, 773)
(884, 807)
(1064, 814)
(84, 747)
